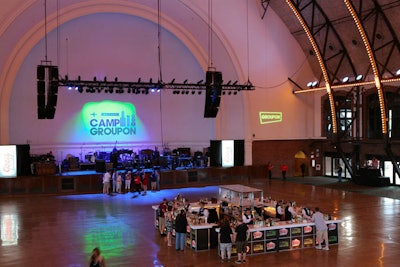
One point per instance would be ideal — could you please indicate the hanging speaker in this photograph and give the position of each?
(40, 72)
(213, 93)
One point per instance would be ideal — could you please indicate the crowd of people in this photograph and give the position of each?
(115, 181)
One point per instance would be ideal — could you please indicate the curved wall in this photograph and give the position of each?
(124, 45)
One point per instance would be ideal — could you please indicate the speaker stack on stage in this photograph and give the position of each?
(213, 93)
(47, 90)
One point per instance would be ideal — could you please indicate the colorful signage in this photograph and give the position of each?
(8, 161)
(267, 117)
(110, 118)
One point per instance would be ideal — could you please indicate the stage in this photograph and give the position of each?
(90, 181)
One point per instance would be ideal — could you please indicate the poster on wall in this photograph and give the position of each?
(227, 153)
(8, 161)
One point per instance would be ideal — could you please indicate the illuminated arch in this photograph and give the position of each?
(320, 61)
(36, 33)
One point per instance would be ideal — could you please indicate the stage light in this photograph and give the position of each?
(76, 88)
(229, 93)
(345, 79)
(359, 77)
(398, 72)
(185, 81)
(314, 83)
(80, 89)
(193, 92)
(70, 87)
(199, 92)
(235, 92)
(158, 90)
(309, 84)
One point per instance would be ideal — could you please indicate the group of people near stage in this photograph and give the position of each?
(130, 181)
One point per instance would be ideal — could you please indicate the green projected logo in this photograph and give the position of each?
(267, 117)
(109, 118)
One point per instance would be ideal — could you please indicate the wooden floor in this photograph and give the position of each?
(62, 230)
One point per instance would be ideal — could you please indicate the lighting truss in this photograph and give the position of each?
(139, 86)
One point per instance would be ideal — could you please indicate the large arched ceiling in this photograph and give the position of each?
(379, 18)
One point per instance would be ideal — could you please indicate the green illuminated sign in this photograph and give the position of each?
(267, 117)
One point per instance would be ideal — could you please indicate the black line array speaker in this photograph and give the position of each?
(213, 93)
(47, 90)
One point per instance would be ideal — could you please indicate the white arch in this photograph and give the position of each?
(36, 33)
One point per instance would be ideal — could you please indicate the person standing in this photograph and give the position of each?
(242, 234)
(169, 225)
(119, 182)
(106, 182)
(128, 178)
(279, 210)
(162, 208)
(284, 169)
(96, 260)
(339, 173)
(180, 230)
(114, 181)
(153, 181)
(248, 217)
(145, 181)
(225, 241)
(303, 169)
(269, 169)
(138, 183)
(321, 229)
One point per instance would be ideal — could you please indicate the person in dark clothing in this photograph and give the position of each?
(180, 230)
(303, 169)
(242, 234)
(225, 240)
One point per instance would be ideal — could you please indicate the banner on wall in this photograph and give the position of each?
(267, 117)
(8, 161)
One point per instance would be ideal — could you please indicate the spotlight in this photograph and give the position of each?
(152, 90)
(70, 87)
(345, 79)
(158, 90)
(199, 92)
(80, 90)
(76, 88)
(235, 93)
(398, 72)
(223, 92)
(309, 84)
(229, 93)
(193, 92)
(314, 83)
(359, 77)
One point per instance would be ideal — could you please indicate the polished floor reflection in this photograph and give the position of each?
(62, 230)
